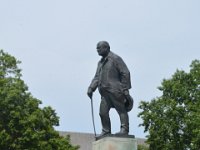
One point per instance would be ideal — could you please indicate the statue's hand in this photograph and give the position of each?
(90, 92)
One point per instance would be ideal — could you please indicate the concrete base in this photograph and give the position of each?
(115, 143)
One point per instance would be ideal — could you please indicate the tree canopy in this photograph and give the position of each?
(23, 124)
(173, 119)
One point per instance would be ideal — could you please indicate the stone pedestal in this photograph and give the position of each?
(115, 143)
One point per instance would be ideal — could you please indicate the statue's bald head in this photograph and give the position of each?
(104, 44)
(103, 48)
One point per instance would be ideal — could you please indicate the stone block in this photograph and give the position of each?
(115, 143)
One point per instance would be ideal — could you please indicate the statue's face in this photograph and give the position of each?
(102, 49)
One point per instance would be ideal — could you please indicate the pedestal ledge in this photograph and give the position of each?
(115, 143)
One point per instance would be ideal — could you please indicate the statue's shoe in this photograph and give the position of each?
(103, 134)
(122, 132)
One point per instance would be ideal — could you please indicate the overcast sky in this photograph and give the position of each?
(56, 42)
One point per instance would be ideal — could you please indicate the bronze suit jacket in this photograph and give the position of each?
(112, 74)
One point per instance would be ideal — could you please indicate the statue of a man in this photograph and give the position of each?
(113, 81)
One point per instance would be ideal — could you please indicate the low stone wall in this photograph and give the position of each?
(84, 140)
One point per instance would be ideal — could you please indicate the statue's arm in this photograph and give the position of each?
(95, 80)
(124, 74)
(94, 84)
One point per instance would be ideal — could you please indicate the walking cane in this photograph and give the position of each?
(92, 110)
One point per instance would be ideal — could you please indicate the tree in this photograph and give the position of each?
(143, 147)
(23, 125)
(173, 119)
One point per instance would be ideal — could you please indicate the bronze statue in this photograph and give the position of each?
(113, 81)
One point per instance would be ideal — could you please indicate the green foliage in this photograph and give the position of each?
(143, 147)
(23, 125)
(173, 119)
